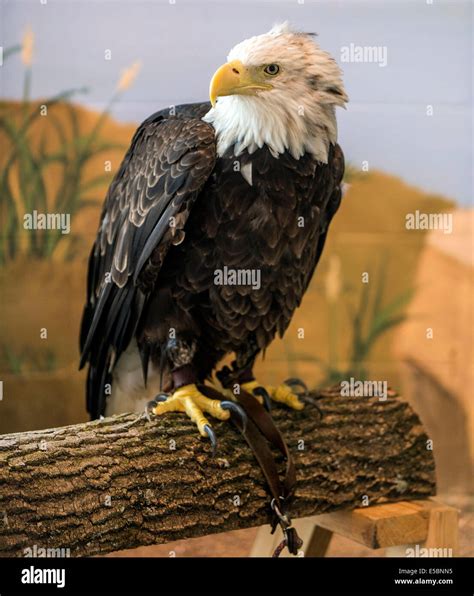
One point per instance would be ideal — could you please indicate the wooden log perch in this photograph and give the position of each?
(125, 481)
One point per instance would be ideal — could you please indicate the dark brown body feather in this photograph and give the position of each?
(163, 277)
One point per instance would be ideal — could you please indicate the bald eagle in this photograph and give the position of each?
(211, 231)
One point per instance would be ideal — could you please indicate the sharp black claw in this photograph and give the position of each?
(212, 437)
(237, 410)
(311, 401)
(266, 398)
(294, 382)
(150, 407)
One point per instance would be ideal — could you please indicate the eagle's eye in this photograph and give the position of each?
(271, 69)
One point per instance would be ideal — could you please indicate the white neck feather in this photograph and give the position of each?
(249, 123)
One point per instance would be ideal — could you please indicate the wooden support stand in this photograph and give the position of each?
(396, 527)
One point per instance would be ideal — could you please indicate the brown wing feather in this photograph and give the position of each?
(165, 168)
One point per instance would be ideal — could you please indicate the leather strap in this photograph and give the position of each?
(265, 424)
(260, 426)
(259, 433)
(184, 375)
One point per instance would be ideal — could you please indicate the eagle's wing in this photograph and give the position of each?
(334, 178)
(147, 205)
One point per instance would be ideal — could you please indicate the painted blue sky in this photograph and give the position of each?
(429, 62)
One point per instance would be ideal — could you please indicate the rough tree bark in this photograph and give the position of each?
(126, 481)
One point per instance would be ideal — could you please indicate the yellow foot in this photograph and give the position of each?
(283, 394)
(191, 401)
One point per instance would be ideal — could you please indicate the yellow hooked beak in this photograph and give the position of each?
(234, 78)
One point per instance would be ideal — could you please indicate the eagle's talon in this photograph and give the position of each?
(212, 437)
(263, 393)
(309, 400)
(293, 383)
(190, 400)
(303, 396)
(151, 405)
(237, 410)
(283, 394)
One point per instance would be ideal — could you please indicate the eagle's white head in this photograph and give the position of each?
(277, 89)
